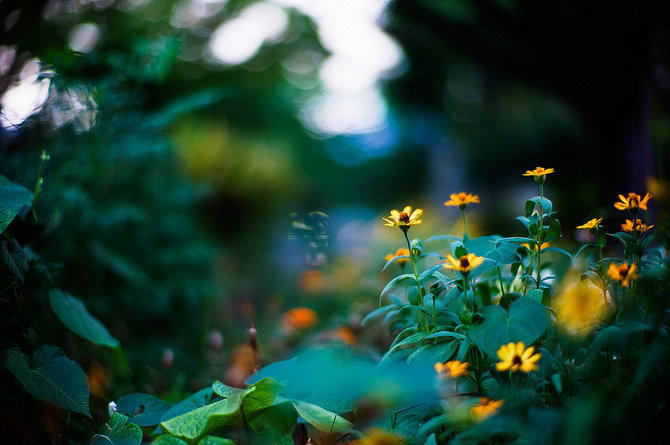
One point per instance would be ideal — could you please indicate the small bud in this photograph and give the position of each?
(111, 408)
(167, 358)
(215, 340)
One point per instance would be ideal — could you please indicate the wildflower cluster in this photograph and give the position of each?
(488, 309)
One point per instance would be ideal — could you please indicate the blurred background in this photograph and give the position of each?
(191, 142)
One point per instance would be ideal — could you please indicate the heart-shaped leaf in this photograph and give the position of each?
(73, 313)
(52, 377)
(525, 322)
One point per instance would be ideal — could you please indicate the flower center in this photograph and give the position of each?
(516, 360)
(403, 217)
(623, 270)
(464, 262)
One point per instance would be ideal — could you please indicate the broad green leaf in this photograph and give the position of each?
(13, 197)
(431, 354)
(143, 409)
(214, 440)
(196, 400)
(14, 257)
(525, 322)
(74, 315)
(377, 312)
(253, 399)
(394, 282)
(119, 432)
(321, 418)
(52, 377)
(168, 439)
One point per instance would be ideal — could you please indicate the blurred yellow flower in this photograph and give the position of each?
(402, 261)
(403, 219)
(462, 200)
(623, 273)
(515, 357)
(485, 408)
(629, 226)
(312, 282)
(299, 318)
(464, 264)
(452, 369)
(378, 436)
(580, 306)
(539, 172)
(633, 202)
(592, 224)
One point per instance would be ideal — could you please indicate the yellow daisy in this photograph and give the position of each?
(592, 224)
(539, 172)
(402, 261)
(403, 219)
(485, 408)
(464, 264)
(623, 273)
(453, 368)
(516, 357)
(629, 226)
(462, 200)
(633, 202)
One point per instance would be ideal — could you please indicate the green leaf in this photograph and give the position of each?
(525, 322)
(214, 440)
(149, 408)
(118, 432)
(253, 399)
(536, 200)
(14, 257)
(196, 400)
(51, 377)
(74, 315)
(553, 232)
(394, 259)
(431, 354)
(377, 312)
(394, 282)
(168, 439)
(13, 197)
(321, 418)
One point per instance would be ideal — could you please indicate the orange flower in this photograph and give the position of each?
(462, 200)
(516, 357)
(539, 172)
(534, 248)
(401, 261)
(623, 273)
(312, 282)
(629, 226)
(453, 368)
(592, 224)
(464, 264)
(632, 202)
(299, 318)
(485, 408)
(403, 219)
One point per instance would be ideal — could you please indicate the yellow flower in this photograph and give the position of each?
(378, 436)
(515, 357)
(593, 224)
(629, 226)
(402, 261)
(462, 200)
(539, 172)
(403, 219)
(632, 202)
(580, 306)
(485, 408)
(623, 273)
(452, 368)
(534, 247)
(464, 264)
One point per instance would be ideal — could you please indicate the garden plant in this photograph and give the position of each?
(496, 340)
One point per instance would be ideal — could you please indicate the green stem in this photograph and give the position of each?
(502, 285)
(465, 224)
(539, 236)
(423, 322)
(465, 295)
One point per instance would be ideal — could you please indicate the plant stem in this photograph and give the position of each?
(465, 224)
(423, 321)
(539, 236)
(502, 285)
(465, 295)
